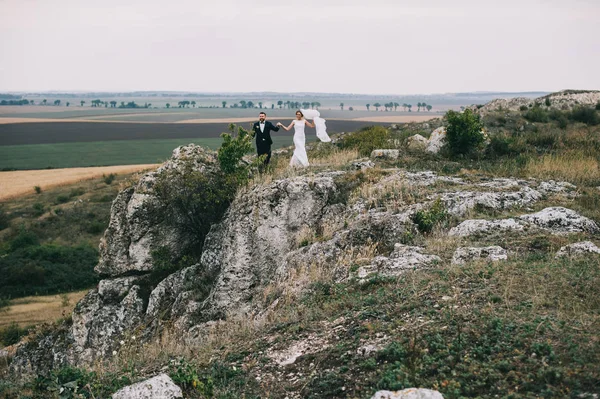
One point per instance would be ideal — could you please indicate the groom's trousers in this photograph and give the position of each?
(264, 149)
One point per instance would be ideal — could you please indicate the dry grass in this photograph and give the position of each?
(39, 309)
(574, 167)
(17, 183)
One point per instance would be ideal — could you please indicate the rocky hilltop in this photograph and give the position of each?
(562, 100)
(356, 266)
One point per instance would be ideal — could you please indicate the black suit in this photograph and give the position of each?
(263, 138)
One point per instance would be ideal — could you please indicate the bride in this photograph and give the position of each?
(300, 158)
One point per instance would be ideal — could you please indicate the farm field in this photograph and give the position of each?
(15, 183)
(36, 310)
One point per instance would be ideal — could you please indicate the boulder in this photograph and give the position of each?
(410, 393)
(159, 387)
(482, 226)
(578, 249)
(402, 258)
(436, 140)
(416, 143)
(385, 154)
(464, 255)
(137, 224)
(560, 220)
(363, 164)
(460, 202)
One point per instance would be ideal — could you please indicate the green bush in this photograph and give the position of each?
(536, 114)
(427, 219)
(232, 151)
(598, 106)
(38, 209)
(12, 334)
(38, 189)
(367, 139)
(586, 115)
(499, 146)
(547, 102)
(463, 132)
(29, 268)
(109, 179)
(523, 108)
(61, 199)
(4, 220)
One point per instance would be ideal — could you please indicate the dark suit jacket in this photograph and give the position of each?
(264, 138)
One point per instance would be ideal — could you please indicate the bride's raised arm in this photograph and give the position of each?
(309, 124)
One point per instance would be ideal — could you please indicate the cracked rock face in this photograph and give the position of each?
(578, 249)
(403, 258)
(561, 220)
(410, 393)
(464, 255)
(137, 224)
(481, 226)
(437, 140)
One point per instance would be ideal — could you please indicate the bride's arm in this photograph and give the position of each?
(309, 124)
(287, 129)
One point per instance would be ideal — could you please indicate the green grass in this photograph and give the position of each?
(103, 153)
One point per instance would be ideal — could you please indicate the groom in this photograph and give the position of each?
(262, 132)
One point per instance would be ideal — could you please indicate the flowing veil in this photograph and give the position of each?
(319, 123)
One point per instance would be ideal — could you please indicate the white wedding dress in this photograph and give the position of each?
(299, 158)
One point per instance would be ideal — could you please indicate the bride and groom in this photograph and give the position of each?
(262, 131)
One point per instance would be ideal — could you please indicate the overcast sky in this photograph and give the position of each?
(349, 46)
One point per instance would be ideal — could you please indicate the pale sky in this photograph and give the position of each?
(346, 46)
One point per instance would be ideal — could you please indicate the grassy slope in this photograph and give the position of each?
(525, 328)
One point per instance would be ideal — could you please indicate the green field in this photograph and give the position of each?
(102, 153)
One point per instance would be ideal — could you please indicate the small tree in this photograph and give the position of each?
(464, 132)
(396, 105)
(377, 105)
(81, 102)
(57, 102)
(168, 105)
(368, 106)
(429, 107)
(409, 107)
(280, 103)
(547, 102)
(194, 104)
(342, 106)
(67, 103)
(224, 103)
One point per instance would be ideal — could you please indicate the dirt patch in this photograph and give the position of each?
(15, 183)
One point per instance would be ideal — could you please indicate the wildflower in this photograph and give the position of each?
(122, 342)
(114, 353)
(133, 337)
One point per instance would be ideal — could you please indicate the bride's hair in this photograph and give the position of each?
(300, 112)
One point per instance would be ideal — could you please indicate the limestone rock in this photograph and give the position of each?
(410, 393)
(437, 140)
(464, 255)
(561, 220)
(578, 249)
(481, 226)
(416, 143)
(385, 154)
(137, 225)
(159, 387)
(552, 186)
(363, 164)
(403, 258)
(459, 203)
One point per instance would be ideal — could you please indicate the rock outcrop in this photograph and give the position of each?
(578, 249)
(436, 141)
(417, 143)
(562, 100)
(402, 258)
(159, 387)
(483, 227)
(561, 220)
(385, 154)
(410, 393)
(464, 255)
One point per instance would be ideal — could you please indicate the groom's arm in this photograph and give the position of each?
(275, 128)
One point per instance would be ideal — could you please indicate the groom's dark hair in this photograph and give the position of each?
(264, 113)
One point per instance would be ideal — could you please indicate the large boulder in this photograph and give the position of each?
(410, 393)
(416, 143)
(402, 258)
(159, 387)
(385, 154)
(138, 224)
(560, 220)
(578, 249)
(437, 140)
(464, 255)
(484, 227)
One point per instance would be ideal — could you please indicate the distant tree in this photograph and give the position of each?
(105, 104)
(396, 105)
(44, 102)
(317, 104)
(287, 104)
(272, 105)
(462, 108)
(68, 103)
(56, 102)
(250, 104)
(342, 106)
(113, 104)
(368, 106)
(122, 104)
(377, 105)
(96, 103)
(279, 103)
(409, 107)
(243, 104)
(404, 105)
(429, 107)
(81, 102)
(31, 102)
(351, 109)
(260, 104)
(224, 104)
(386, 106)
(418, 107)
(194, 104)
(305, 104)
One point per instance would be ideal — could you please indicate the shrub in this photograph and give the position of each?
(523, 108)
(109, 179)
(12, 334)
(464, 132)
(61, 199)
(232, 151)
(38, 189)
(499, 146)
(76, 192)
(586, 115)
(38, 209)
(536, 114)
(598, 106)
(427, 220)
(367, 139)
(4, 220)
(547, 102)
(95, 227)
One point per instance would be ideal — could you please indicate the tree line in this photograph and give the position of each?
(394, 105)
